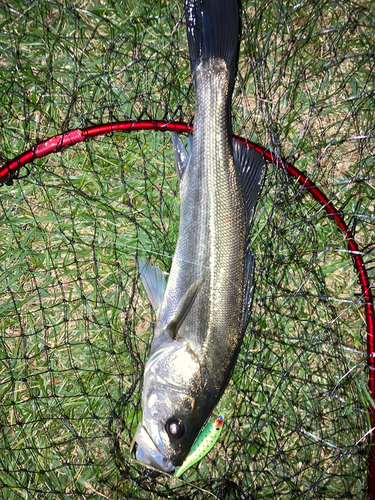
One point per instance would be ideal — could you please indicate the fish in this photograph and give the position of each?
(203, 309)
(205, 441)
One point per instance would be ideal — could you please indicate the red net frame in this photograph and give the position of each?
(11, 170)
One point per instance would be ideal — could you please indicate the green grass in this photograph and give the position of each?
(75, 324)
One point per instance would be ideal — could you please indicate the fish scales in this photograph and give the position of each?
(212, 233)
(224, 253)
(202, 312)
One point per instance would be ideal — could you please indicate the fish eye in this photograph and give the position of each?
(175, 428)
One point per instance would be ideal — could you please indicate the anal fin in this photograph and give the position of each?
(181, 156)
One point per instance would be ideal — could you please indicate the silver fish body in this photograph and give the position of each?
(203, 312)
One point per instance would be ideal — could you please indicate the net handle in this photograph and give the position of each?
(10, 170)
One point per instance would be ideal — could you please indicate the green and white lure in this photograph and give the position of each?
(202, 445)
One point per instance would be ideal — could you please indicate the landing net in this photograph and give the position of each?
(75, 322)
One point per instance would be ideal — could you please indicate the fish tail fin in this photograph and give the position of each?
(213, 30)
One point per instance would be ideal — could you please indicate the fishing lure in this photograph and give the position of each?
(203, 444)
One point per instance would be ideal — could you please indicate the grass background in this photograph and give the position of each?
(75, 322)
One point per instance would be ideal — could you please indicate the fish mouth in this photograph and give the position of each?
(149, 454)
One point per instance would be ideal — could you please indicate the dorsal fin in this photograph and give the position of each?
(251, 167)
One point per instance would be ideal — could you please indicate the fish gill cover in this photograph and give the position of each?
(76, 325)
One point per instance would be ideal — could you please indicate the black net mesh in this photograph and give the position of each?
(75, 321)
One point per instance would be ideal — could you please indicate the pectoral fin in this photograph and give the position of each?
(183, 308)
(153, 280)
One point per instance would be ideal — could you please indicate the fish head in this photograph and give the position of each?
(172, 409)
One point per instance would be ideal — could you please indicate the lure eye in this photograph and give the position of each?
(175, 428)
